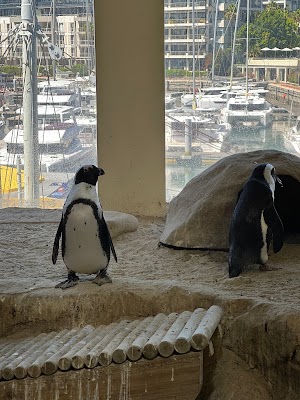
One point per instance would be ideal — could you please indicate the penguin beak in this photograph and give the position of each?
(101, 172)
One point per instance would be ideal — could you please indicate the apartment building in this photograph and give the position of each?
(73, 30)
(212, 31)
(193, 29)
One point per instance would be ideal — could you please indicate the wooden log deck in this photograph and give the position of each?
(158, 344)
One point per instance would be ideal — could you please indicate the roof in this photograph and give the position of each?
(49, 135)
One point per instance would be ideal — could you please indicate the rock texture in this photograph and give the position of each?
(199, 217)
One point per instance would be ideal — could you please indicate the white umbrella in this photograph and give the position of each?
(265, 49)
(297, 50)
(286, 49)
(275, 49)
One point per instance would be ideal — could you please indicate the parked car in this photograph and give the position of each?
(282, 114)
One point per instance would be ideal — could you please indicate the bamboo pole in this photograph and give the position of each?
(105, 357)
(135, 350)
(95, 337)
(13, 349)
(35, 369)
(92, 357)
(206, 328)
(166, 346)
(8, 372)
(120, 353)
(50, 366)
(64, 361)
(150, 350)
(182, 342)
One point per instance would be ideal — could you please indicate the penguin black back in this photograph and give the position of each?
(255, 221)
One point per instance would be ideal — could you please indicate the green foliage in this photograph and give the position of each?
(11, 69)
(80, 69)
(293, 77)
(223, 62)
(230, 12)
(273, 27)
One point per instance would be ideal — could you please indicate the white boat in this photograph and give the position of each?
(295, 130)
(206, 135)
(187, 100)
(50, 114)
(247, 111)
(292, 138)
(60, 148)
(88, 129)
(59, 92)
(172, 104)
(63, 142)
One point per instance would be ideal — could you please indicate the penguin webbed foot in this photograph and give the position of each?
(234, 273)
(70, 282)
(102, 278)
(234, 270)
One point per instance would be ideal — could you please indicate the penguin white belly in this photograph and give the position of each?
(83, 250)
(264, 250)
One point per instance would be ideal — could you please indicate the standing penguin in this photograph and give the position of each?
(86, 241)
(255, 222)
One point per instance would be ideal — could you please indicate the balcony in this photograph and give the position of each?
(183, 6)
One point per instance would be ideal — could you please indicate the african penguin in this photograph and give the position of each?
(255, 222)
(86, 241)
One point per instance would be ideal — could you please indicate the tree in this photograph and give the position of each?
(273, 27)
(223, 62)
(230, 16)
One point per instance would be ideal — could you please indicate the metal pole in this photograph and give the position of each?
(247, 44)
(188, 136)
(193, 33)
(214, 43)
(19, 180)
(88, 36)
(53, 37)
(233, 44)
(30, 120)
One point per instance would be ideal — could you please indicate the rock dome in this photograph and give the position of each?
(199, 216)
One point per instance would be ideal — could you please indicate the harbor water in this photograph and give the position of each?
(235, 141)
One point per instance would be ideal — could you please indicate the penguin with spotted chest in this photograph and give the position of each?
(255, 222)
(86, 242)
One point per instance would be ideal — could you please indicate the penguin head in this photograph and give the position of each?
(88, 174)
(268, 173)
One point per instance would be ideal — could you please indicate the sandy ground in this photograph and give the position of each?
(144, 266)
(25, 264)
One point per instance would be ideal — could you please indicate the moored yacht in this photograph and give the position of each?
(60, 148)
(248, 111)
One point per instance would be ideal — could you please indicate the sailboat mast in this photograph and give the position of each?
(233, 44)
(193, 33)
(214, 43)
(30, 120)
(53, 37)
(247, 44)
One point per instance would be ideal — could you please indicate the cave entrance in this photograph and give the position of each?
(287, 203)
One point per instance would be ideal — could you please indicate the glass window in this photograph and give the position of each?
(201, 125)
(66, 97)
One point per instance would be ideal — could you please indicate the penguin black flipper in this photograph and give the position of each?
(274, 223)
(56, 241)
(106, 238)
